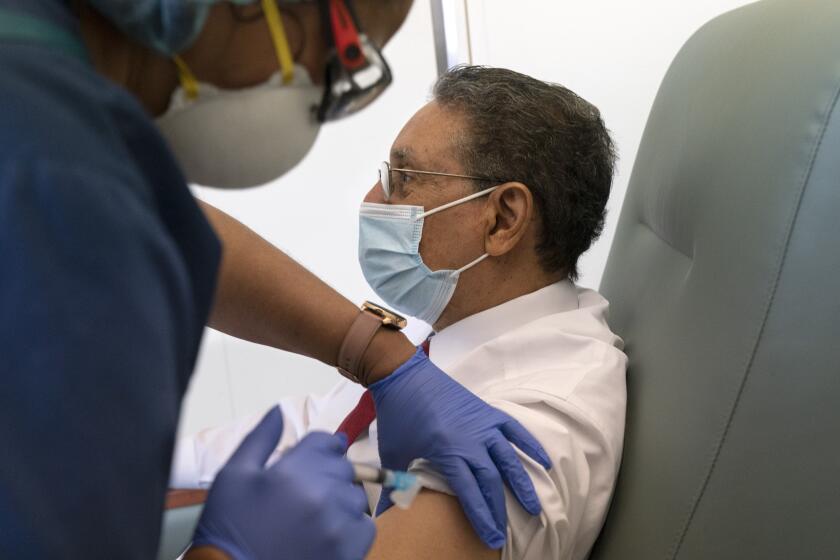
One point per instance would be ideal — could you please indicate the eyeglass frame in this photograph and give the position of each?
(386, 183)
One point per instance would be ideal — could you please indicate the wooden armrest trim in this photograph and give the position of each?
(178, 498)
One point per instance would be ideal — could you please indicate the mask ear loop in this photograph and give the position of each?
(278, 37)
(472, 264)
(186, 77)
(457, 202)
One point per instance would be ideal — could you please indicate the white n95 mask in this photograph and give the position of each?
(246, 137)
(389, 254)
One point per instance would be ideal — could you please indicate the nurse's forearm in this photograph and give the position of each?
(266, 297)
(205, 553)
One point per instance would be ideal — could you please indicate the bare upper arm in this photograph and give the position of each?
(433, 528)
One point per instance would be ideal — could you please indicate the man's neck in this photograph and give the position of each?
(490, 294)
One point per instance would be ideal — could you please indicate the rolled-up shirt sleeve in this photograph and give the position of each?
(584, 468)
(199, 457)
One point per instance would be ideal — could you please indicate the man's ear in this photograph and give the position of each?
(509, 211)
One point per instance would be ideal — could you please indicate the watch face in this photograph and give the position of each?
(389, 318)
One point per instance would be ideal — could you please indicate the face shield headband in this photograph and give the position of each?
(356, 71)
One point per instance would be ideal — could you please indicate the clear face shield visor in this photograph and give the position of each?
(356, 72)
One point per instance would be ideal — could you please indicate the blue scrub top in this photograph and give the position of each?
(107, 272)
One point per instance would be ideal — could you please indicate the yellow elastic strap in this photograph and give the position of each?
(188, 81)
(278, 37)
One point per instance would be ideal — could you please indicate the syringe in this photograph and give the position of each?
(402, 485)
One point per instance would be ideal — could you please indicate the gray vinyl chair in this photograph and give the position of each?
(724, 281)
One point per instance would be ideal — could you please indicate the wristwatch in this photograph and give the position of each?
(370, 318)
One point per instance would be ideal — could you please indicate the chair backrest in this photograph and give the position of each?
(724, 281)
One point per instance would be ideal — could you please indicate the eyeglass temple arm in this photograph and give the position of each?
(457, 202)
(441, 174)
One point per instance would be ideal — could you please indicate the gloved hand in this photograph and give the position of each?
(424, 413)
(305, 506)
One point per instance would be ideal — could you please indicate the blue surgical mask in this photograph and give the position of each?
(389, 254)
(168, 26)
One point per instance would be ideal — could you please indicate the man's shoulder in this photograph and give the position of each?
(564, 381)
(558, 350)
(564, 367)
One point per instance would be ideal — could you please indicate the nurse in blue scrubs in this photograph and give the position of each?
(110, 269)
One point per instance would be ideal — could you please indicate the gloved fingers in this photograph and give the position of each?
(320, 453)
(349, 499)
(463, 482)
(344, 441)
(258, 445)
(323, 442)
(522, 438)
(492, 487)
(361, 533)
(514, 474)
(384, 504)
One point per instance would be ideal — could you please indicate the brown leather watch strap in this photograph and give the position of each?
(356, 341)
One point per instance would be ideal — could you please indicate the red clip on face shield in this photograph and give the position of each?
(356, 72)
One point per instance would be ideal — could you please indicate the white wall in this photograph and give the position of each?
(612, 52)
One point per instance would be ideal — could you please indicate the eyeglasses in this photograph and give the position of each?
(385, 170)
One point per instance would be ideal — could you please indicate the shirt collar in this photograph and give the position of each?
(450, 344)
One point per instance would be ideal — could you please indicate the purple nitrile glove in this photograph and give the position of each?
(424, 413)
(305, 506)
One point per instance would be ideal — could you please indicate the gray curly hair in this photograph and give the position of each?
(545, 136)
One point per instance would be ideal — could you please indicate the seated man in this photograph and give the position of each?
(497, 185)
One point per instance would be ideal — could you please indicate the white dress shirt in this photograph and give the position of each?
(550, 361)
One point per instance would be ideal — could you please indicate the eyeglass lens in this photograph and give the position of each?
(385, 178)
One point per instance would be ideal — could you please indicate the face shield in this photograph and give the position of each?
(356, 71)
(245, 137)
(248, 137)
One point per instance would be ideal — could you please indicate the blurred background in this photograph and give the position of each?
(613, 53)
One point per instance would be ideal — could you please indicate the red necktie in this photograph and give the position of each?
(425, 345)
(360, 417)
